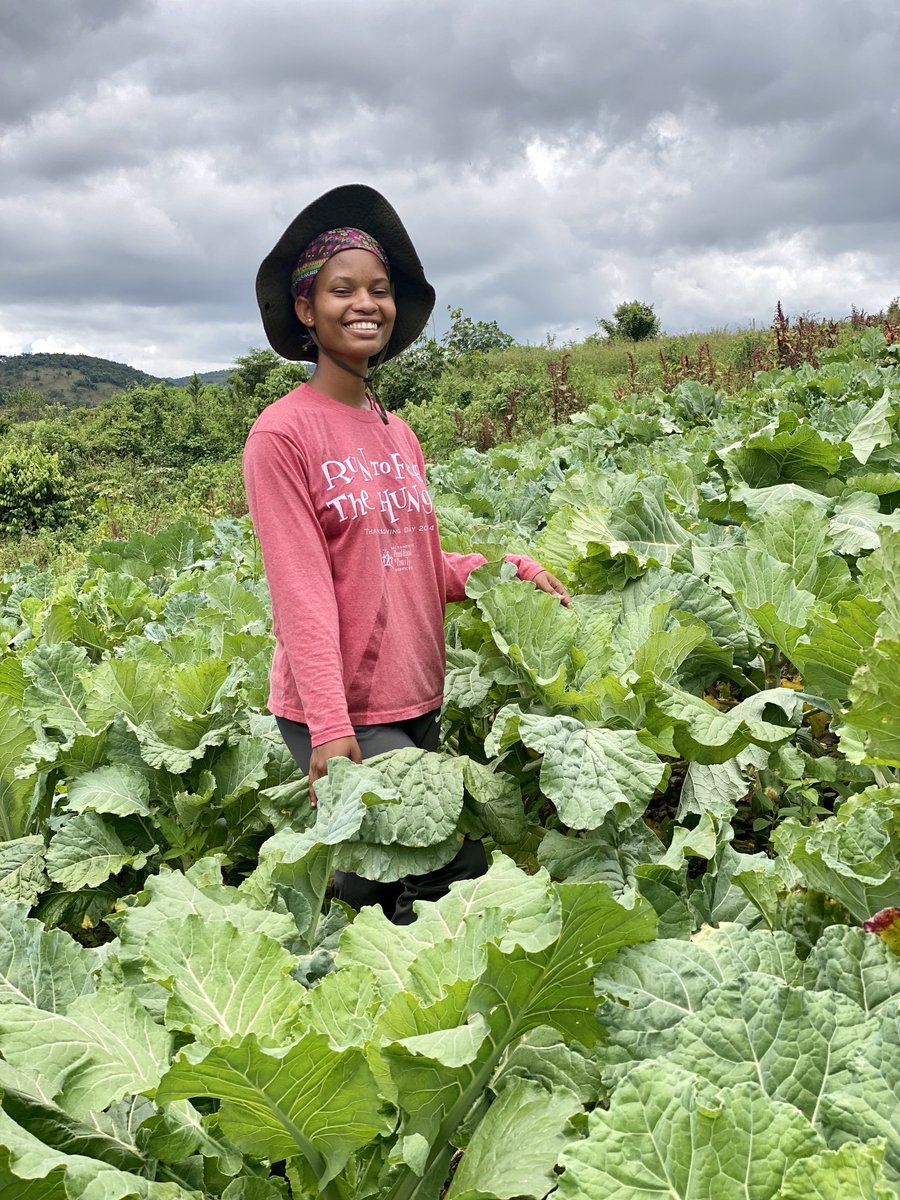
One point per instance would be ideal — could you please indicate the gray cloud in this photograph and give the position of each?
(709, 158)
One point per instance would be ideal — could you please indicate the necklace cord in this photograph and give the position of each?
(367, 378)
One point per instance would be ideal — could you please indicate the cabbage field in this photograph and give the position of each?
(680, 978)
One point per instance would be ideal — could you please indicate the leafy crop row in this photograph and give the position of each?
(688, 781)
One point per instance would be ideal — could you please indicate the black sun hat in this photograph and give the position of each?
(360, 207)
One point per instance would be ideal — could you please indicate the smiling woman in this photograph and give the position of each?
(339, 499)
(350, 311)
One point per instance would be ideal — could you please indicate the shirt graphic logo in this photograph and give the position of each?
(399, 489)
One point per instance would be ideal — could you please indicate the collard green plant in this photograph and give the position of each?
(663, 986)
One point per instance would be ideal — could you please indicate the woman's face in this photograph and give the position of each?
(351, 305)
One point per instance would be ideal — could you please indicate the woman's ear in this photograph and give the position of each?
(303, 309)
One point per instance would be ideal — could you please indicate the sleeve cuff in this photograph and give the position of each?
(321, 736)
(526, 567)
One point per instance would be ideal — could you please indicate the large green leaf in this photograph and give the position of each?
(589, 772)
(199, 687)
(496, 800)
(554, 986)
(872, 430)
(86, 851)
(56, 695)
(837, 645)
(171, 894)
(875, 703)
(96, 1137)
(858, 965)
(235, 601)
(178, 744)
(223, 983)
(528, 905)
(130, 686)
(343, 1005)
(105, 1046)
(393, 816)
(854, 856)
(430, 791)
(689, 594)
(42, 969)
(307, 1100)
(117, 790)
(32, 1170)
(868, 1103)
(789, 450)
(649, 990)
(852, 1173)
(636, 533)
(705, 734)
(796, 1044)
(607, 854)
(857, 523)
(796, 535)
(534, 631)
(467, 683)
(516, 1145)
(16, 793)
(444, 1048)
(667, 1136)
(241, 767)
(387, 864)
(889, 563)
(767, 591)
(22, 875)
(716, 788)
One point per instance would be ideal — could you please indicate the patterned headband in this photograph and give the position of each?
(325, 246)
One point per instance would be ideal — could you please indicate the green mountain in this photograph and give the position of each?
(70, 379)
(204, 376)
(78, 380)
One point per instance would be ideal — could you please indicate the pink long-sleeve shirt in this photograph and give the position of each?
(356, 572)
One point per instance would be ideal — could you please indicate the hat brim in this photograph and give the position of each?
(360, 207)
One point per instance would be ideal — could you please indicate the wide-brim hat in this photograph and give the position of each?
(360, 207)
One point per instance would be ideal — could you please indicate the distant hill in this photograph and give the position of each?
(78, 380)
(70, 379)
(205, 377)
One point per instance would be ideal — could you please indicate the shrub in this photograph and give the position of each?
(466, 336)
(211, 489)
(632, 321)
(412, 376)
(34, 492)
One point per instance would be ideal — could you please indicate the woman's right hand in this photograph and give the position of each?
(345, 747)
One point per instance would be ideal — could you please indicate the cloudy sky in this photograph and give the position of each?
(549, 159)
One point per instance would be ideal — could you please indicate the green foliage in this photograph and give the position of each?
(632, 321)
(411, 377)
(467, 336)
(262, 376)
(34, 492)
(688, 780)
(211, 489)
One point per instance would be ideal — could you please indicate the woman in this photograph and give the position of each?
(338, 497)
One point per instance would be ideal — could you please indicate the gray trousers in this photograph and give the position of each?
(396, 899)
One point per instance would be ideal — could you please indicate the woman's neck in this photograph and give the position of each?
(330, 380)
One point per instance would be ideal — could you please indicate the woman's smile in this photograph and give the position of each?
(363, 326)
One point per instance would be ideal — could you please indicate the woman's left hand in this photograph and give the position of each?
(549, 583)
